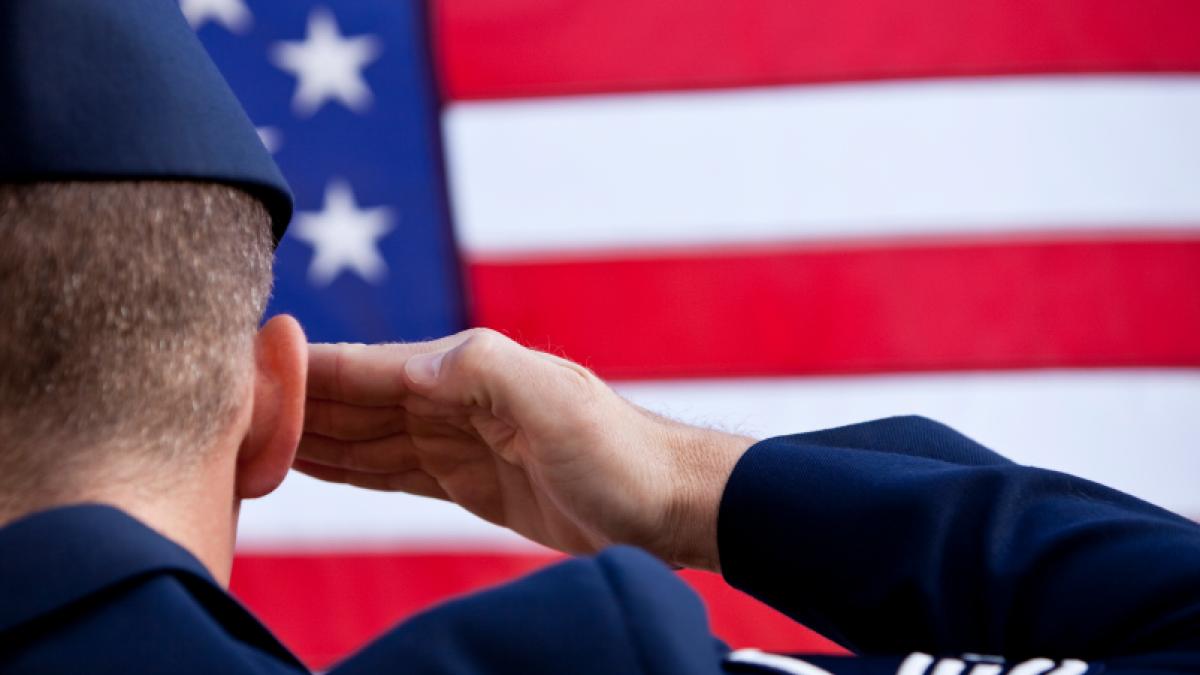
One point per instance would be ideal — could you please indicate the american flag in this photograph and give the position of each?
(768, 215)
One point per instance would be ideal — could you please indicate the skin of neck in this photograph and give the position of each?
(198, 510)
(197, 505)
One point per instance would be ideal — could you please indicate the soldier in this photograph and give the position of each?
(140, 403)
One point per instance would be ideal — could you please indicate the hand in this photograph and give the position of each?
(520, 438)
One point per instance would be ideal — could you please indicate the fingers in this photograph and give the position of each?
(365, 374)
(352, 422)
(413, 482)
(383, 455)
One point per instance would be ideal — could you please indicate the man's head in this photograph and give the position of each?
(131, 367)
(129, 341)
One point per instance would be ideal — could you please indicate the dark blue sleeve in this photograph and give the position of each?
(619, 612)
(902, 535)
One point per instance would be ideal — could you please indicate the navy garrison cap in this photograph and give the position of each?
(122, 89)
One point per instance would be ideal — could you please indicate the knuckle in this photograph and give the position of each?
(480, 330)
(485, 335)
(577, 379)
(585, 395)
(481, 350)
(581, 381)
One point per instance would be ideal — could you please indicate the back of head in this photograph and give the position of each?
(138, 211)
(127, 323)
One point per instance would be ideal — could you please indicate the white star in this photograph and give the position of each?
(343, 236)
(327, 66)
(229, 13)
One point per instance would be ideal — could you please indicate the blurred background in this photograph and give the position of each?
(768, 216)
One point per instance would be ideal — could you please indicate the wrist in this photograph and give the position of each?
(701, 460)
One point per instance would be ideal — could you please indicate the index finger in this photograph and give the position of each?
(367, 375)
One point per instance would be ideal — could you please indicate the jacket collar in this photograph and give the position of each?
(53, 559)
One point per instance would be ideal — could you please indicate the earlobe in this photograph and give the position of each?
(281, 368)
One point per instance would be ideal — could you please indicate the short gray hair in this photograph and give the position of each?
(127, 313)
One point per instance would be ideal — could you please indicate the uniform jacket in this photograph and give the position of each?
(913, 546)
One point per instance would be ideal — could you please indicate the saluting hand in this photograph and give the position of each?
(518, 437)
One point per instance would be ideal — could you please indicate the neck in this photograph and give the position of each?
(196, 510)
(198, 518)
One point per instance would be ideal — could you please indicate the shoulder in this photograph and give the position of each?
(89, 588)
(151, 624)
(619, 611)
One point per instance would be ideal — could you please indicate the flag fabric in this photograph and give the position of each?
(767, 216)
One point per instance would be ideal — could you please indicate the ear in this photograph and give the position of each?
(281, 369)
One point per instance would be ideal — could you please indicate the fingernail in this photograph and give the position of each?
(424, 368)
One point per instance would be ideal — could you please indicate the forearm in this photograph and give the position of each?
(888, 551)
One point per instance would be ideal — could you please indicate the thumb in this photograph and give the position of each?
(423, 369)
(478, 367)
(488, 370)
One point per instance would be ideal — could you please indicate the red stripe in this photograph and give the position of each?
(518, 48)
(326, 606)
(801, 309)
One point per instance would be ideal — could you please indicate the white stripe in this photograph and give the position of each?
(915, 664)
(992, 665)
(1032, 667)
(1133, 430)
(782, 664)
(307, 515)
(1070, 667)
(899, 158)
(949, 667)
